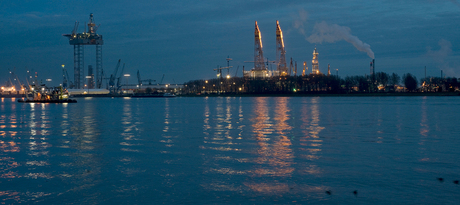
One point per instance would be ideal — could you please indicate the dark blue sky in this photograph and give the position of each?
(186, 40)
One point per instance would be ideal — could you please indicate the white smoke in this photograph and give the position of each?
(441, 54)
(332, 33)
(299, 22)
(441, 57)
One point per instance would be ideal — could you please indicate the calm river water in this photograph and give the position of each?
(249, 150)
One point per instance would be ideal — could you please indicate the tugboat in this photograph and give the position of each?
(54, 95)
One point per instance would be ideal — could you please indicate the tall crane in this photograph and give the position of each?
(305, 66)
(15, 78)
(228, 64)
(258, 53)
(280, 52)
(236, 73)
(119, 77)
(139, 81)
(114, 75)
(219, 70)
(162, 79)
(66, 83)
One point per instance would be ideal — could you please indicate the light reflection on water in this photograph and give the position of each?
(229, 150)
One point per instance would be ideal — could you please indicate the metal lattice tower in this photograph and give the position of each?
(314, 63)
(258, 53)
(280, 52)
(78, 65)
(98, 66)
(79, 40)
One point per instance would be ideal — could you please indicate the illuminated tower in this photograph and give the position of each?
(314, 63)
(280, 52)
(258, 53)
(78, 40)
(328, 69)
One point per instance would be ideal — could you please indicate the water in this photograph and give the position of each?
(260, 150)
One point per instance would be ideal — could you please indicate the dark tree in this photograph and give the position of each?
(410, 81)
(382, 78)
(394, 79)
(363, 83)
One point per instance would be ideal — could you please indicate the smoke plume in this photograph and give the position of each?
(441, 54)
(299, 22)
(332, 33)
(441, 57)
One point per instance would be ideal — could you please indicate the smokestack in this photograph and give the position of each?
(372, 70)
(373, 66)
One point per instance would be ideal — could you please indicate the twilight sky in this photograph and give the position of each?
(186, 40)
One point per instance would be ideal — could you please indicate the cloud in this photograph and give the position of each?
(323, 32)
(300, 21)
(441, 54)
(455, 2)
(441, 57)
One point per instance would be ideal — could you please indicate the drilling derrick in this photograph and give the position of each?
(314, 63)
(258, 53)
(78, 40)
(280, 52)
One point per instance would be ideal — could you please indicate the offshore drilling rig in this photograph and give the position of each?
(79, 40)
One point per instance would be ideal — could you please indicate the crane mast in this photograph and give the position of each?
(280, 52)
(113, 76)
(258, 53)
(119, 78)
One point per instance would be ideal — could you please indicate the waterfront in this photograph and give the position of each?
(215, 150)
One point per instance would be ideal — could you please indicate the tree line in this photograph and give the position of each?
(320, 83)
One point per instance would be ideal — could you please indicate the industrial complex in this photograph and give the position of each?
(259, 79)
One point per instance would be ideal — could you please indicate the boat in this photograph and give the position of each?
(47, 95)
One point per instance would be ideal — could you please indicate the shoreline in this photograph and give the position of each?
(408, 94)
(326, 95)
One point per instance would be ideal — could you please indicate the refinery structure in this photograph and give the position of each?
(260, 79)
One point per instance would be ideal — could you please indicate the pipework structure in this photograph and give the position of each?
(79, 40)
(280, 52)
